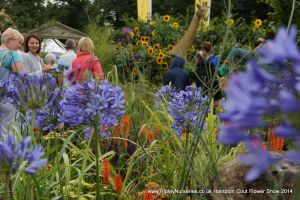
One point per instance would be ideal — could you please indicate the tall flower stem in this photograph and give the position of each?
(8, 194)
(96, 135)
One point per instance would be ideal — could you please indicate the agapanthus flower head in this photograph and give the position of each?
(46, 117)
(255, 98)
(32, 91)
(283, 48)
(13, 154)
(6, 92)
(91, 102)
(185, 107)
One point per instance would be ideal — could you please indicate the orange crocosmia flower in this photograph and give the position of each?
(118, 183)
(148, 195)
(105, 170)
(124, 128)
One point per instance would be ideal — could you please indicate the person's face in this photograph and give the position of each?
(33, 45)
(13, 44)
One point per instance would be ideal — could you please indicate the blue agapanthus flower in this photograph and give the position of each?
(185, 107)
(46, 117)
(92, 102)
(6, 92)
(32, 91)
(255, 97)
(14, 154)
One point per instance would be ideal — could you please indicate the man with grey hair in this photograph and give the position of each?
(65, 61)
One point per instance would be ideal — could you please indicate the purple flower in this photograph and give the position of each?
(92, 102)
(185, 107)
(259, 158)
(254, 97)
(283, 48)
(13, 154)
(32, 91)
(126, 30)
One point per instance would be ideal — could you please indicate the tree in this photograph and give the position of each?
(25, 15)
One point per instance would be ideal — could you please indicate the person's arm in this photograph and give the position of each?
(97, 69)
(17, 65)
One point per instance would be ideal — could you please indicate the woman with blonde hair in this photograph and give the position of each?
(10, 62)
(86, 62)
(10, 59)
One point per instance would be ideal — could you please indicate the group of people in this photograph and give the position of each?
(16, 57)
(210, 67)
(203, 76)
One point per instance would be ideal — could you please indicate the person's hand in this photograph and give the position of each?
(201, 12)
(47, 68)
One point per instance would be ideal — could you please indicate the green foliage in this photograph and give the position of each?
(104, 48)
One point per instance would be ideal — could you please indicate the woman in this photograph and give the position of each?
(86, 63)
(10, 62)
(32, 61)
(10, 59)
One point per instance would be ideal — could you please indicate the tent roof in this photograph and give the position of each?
(56, 30)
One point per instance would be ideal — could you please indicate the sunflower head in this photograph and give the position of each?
(166, 18)
(175, 25)
(164, 66)
(159, 60)
(161, 54)
(156, 46)
(144, 44)
(170, 47)
(136, 30)
(229, 22)
(142, 39)
(150, 51)
(131, 34)
(257, 23)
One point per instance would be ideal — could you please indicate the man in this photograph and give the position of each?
(176, 75)
(65, 61)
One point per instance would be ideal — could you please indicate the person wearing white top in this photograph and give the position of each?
(32, 61)
(65, 61)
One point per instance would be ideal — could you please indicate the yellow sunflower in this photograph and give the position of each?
(146, 39)
(161, 54)
(159, 60)
(144, 44)
(165, 66)
(131, 34)
(257, 23)
(170, 47)
(166, 18)
(175, 25)
(229, 22)
(150, 51)
(136, 30)
(142, 39)
(156, 46)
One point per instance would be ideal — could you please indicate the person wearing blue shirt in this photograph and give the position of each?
(10, 62)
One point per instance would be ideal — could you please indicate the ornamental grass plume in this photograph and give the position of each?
(276, 97)
(105, 170)
(118, 183)
(13, 155)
